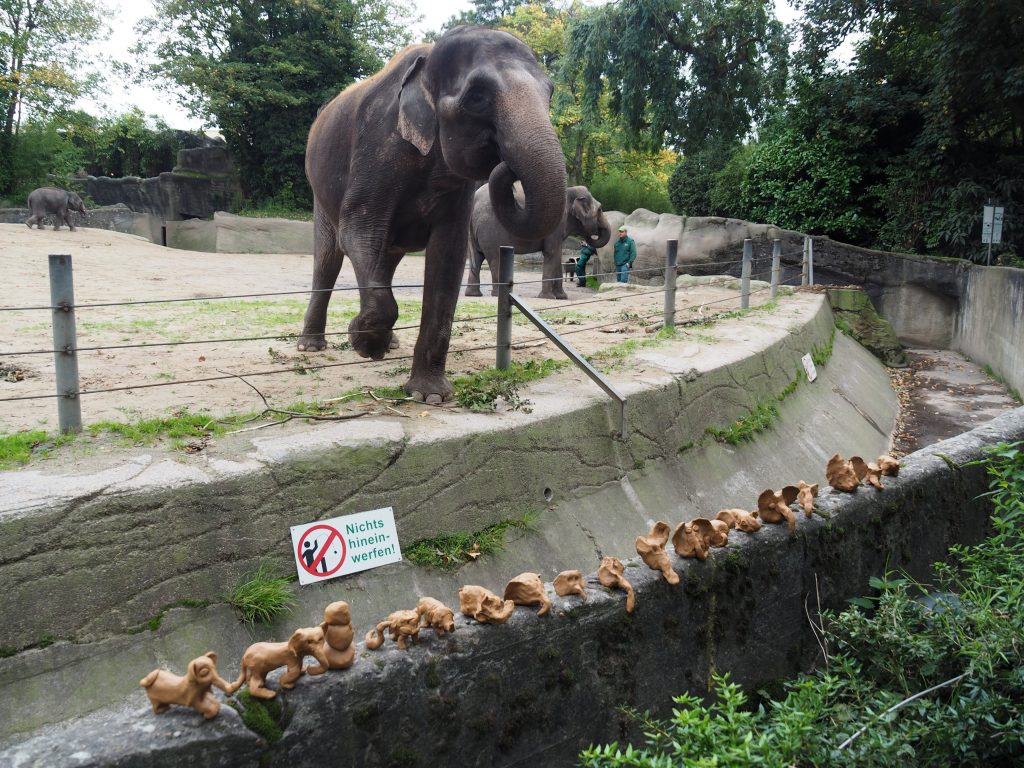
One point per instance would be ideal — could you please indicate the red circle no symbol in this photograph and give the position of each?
(311, 568)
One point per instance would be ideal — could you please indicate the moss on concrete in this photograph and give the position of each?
(856, 316)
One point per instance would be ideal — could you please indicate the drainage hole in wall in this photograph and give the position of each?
(548, 495)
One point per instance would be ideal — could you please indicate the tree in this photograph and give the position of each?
(261, 69)
(41, 65)
(485, 13)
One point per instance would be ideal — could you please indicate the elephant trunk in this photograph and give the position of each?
(531, 154)
(604, 233)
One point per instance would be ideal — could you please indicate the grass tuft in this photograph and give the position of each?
(263, 595)
(450, 551)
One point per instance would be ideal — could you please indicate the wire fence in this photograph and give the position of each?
(67, 348)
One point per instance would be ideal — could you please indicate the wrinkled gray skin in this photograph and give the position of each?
(50, 201)
(584, 218)
(393, 162)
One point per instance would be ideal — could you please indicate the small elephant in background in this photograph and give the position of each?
(584, 218)
(47, 201)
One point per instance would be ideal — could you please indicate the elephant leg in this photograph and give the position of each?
(67, 220)
(370, 330)
(552, 287)
(446, 255)
(492, 264)
(56, 221)
(327, 258)
(476, 259)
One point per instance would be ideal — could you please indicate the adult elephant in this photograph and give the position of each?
(393, 162)
(583, 218)
(50, 201)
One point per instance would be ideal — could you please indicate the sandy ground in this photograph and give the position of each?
(151, 381)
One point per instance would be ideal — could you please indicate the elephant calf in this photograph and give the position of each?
(47, 201)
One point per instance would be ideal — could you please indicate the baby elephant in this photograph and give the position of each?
(47, 201)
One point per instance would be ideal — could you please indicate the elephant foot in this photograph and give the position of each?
(393, 344)
(473, 290)
(429, 389)
(552, 292)
(370, 342)
(72, 228)
(311, 342)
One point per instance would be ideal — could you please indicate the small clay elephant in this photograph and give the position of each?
(47, 201)
(193, 690)
(260, 658)
(401, 624)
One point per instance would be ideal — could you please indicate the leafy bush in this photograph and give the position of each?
(619, 191)
(917, 675)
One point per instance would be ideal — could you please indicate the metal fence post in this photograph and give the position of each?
(803, 267)
(810, 261)
(65, 343)
(671, 256)
(506, 254)
(748, 255)
(776, 265)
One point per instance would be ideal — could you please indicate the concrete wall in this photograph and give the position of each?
(537, 690)
(990, 326)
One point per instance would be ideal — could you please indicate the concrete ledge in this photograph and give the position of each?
(538, 690)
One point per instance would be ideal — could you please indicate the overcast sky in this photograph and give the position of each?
(122, 96)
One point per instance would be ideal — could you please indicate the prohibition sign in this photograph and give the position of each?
(331, 535)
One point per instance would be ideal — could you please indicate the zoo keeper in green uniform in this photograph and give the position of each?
(625, 255)
(586, 251)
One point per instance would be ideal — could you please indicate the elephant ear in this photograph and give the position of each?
(579, 209)
(417, 122)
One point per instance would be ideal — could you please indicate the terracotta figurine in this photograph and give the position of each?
(338, 634)
(651, 549)
(888, 465)
(570, 583)
(806, 494)
(528, 589)
(401, 624)
(433, 613)
(740, 519)
(773, 507)
(193, 690)
(261, 658)
(483, 605)
(688, 541)
(610, 575)
(840, 474)
(865, 471)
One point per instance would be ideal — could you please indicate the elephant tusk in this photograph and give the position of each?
(593, 237)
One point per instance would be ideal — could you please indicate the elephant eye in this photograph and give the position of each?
(476, 99)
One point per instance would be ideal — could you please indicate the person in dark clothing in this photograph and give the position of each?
(586, 251)
(625, 255)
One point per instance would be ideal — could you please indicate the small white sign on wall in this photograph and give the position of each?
(327, 549)
(812, 372)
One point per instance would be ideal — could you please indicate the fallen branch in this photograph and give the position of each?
(288, 414)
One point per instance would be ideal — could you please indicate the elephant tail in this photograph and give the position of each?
(375, 637)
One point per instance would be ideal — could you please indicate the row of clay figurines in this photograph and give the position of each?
(330, 643)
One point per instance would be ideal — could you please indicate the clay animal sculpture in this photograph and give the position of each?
(338, 635)
(806, 494)
(887, 465)
(193, 690)
(528, 589)
(483, 605)
(651, 549)
(867, 472)
(610, 575)
(260, 659)
(401, 625)
(840, 474)
(570, 583)
(740, 519)
(393, 163)
(584, 218)
(435, 614)
(689, 541)
(773, 507)
(50, 201)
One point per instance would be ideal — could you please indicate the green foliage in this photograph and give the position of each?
(481, 391)
(760, 419)
(262, 595)
(710, 182)
(450, 551)
(621, 191)
(916, 675)
(183, 424)
(260, 71)
(19, 448)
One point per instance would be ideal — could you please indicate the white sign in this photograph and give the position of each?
(812, 372)
(992, 224)
(327, 549)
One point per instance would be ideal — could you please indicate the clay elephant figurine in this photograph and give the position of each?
(50, 201)
(261, 658)
(584, 218)
(193, 690)
(400, 624)
(393, 163)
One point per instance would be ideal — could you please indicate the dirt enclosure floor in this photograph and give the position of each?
(151, 381)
